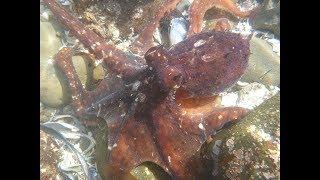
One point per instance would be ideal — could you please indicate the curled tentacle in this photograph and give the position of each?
(121, 63)
(200, 7)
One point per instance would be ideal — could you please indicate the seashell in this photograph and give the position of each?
(178, 30)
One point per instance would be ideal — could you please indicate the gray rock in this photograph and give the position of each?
(264, 64)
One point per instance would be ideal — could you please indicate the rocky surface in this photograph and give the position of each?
(268, 18)
(117, 20)
(249, 149)
(264, 64)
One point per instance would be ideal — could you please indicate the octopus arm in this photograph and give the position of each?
(63, 60)
(199, 8)
(181, 129)
(136, 144)
(145, 39)
(85, 35)
(118, 61)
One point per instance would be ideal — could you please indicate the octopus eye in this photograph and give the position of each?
(177, 79)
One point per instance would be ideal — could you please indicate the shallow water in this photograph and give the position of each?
(119, 22)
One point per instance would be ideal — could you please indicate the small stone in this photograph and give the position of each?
(142, 172)
(264, 64)
(80, 63)
(148, 171)
(99, 73)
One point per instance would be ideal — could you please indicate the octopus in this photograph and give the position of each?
(160, 104)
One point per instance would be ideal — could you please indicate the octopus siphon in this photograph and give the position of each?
(159, 104)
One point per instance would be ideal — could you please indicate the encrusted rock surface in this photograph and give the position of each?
(249, 149)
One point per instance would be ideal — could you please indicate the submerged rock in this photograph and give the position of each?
(264, 64)
(53, 91)
(249, 149)
(268, 18)
(149, 171)
(50, 88)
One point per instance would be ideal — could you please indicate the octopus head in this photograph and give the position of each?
(202, 65)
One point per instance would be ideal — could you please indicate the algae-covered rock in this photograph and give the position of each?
(149, 171)
(249, 149)
(268, 18)
(264, 64)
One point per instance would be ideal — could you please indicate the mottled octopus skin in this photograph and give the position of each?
(215, 59)
(162, 108)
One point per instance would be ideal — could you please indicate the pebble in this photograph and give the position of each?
(264, 64)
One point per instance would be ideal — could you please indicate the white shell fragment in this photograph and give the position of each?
(250, 96)
(178, 30)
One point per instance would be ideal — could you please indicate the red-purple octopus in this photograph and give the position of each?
(160, 107)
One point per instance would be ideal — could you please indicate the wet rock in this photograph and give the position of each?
(142, 172)
(50, 88)
(53, 86)
(268, 18)
(249, 149)
(99, 73)
(264, 64)
(148, 170)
